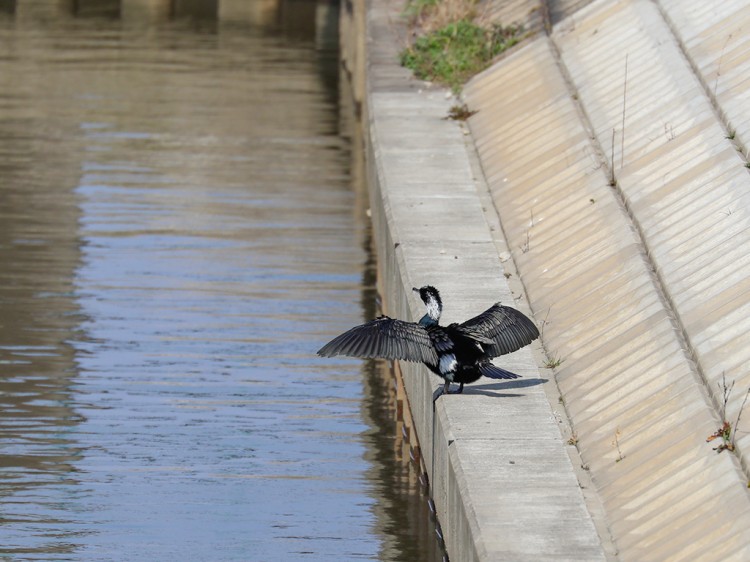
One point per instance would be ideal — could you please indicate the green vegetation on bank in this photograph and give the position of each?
(451, 46)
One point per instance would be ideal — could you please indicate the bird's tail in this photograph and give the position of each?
(491, 371)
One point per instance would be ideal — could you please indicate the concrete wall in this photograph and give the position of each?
(500, 471)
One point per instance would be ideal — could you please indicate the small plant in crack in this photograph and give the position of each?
(612, 177)
(553, 362)
(669, 132)
(616, 443)
(526, 246)
(573, 439)
(727, 432)
(545, 321)
(460, 112)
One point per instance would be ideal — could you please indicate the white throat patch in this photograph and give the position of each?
(433, 309)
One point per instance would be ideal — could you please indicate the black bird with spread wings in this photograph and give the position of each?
(458, 353)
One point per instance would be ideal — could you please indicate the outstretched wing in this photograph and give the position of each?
(386, 338)
(507, 328)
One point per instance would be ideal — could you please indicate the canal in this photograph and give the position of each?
(182, 225)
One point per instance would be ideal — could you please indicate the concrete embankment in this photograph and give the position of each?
(612, 185)
(502, 481)
(615, 152)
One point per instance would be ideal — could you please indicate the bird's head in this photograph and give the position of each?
(431, 298)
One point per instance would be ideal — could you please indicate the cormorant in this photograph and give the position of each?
(458, 353)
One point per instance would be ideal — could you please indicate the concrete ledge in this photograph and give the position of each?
(503, 484)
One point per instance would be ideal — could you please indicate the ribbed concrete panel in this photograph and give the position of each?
(685, 184)
(637, 403)
(527, 13)
(715, 38)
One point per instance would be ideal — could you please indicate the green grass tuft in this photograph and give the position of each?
(553, 362)
(452, 54)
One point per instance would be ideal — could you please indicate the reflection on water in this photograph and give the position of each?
(179, 231)
(404, 521)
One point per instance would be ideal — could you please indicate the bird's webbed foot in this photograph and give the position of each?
(446, 389)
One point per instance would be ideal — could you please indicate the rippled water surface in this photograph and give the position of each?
(180, 230)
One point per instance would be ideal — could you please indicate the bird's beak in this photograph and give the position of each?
(415, 289)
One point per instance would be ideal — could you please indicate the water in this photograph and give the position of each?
(180, 230)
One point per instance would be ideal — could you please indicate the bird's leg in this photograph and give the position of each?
(445, 389)
(459, 390)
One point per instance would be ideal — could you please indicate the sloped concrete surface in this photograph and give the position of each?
(642, 283)
(714, 37)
